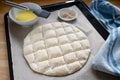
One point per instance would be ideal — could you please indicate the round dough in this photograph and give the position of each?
(56, 49)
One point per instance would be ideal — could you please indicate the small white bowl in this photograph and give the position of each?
(64, 10)
(14, 11)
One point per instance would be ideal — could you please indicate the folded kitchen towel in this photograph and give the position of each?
(108, 57)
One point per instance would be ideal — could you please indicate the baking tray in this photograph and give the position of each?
(79, 3)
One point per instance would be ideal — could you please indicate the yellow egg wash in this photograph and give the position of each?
(25, 16)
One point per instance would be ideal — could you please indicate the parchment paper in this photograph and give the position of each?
(23, 72)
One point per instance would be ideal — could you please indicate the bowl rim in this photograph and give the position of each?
(11, 16)
(67, 9)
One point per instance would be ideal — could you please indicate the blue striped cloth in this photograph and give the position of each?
(108, 57)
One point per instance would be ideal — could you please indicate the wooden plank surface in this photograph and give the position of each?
(4, 71)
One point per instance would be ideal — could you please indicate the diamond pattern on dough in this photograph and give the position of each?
(51, 42)
(46, 28)
(61, 70)
(38, 53)
(30, 58)
(55, 62)
(49, 34)
(80, 35)
(43, 66)
(68, 30)
(63, 39)
(38, 45)
(74, 66)
(60, 31)
(35, 38)
(54, 52)
(66, 48)
(76, 45)
(56, 49)
(28, 49)
(70, 58)
(72, 37)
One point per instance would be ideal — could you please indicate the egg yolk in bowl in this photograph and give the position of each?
(25, 16)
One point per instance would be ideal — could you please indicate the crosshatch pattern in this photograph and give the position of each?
(56, 49)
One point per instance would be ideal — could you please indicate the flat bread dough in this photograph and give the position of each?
(56, 49)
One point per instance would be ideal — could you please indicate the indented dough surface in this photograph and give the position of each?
(56, 49)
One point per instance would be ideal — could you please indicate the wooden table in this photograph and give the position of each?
(4, 71)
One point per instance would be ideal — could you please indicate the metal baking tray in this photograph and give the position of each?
(52, 7)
